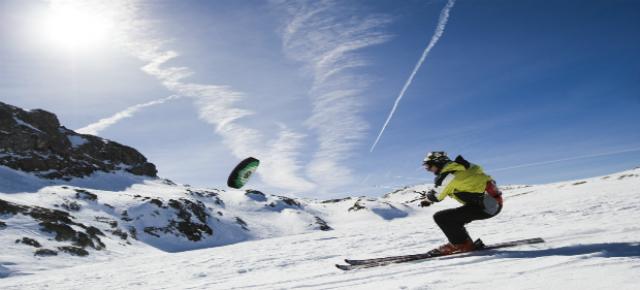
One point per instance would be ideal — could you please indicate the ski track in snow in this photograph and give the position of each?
(591, 230)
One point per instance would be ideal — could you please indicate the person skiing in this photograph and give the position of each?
(468, 184)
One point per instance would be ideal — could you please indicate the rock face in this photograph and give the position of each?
(34, 141)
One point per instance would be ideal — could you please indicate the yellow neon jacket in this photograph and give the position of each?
(466, 184)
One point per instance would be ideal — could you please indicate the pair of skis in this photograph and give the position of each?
(377, 262)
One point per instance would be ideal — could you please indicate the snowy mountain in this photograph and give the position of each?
(118, 227)
(590, 226)
(74, 222)
(34, 141)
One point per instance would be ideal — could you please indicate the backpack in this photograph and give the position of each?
(493, 191)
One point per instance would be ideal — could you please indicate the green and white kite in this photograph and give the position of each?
(243, 171)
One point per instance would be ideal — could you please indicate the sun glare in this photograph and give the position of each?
(76, 28)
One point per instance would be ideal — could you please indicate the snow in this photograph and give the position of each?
(590, 227)
(23, 123)
(77, 141)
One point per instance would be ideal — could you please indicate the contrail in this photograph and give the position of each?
(567, 159)
(442, 22)
(97, 127)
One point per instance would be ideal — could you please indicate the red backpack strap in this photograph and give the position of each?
(493, 191)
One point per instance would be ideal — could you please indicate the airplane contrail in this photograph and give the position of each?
(442, 22)
(566, 159)
(97, 127)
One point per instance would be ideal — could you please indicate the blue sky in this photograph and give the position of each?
(306, 86)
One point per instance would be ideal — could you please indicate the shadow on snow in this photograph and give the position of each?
(606, 250)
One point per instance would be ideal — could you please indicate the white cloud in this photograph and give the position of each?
(215, 104)
(327, 37)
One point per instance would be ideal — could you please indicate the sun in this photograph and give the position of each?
(75, 27)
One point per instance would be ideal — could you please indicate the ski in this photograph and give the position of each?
(478, 243)
(376, 262)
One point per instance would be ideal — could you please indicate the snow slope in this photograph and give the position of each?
(47, 224)
(591, 227)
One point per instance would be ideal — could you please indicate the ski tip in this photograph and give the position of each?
(343, 267)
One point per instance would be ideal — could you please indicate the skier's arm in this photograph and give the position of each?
(441, 191)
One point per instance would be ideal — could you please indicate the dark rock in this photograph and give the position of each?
(107, 220)
(394, 192)
(29, 242)
(183, 224)
(168, 182)
(35, 142)
(58, 223)
(186, 208)
(75, 251)
(284, 202)
(335, 200)
(621, 177)
(62, 232)
(50, 215)
(152, 231)
(71, 205)
(11, 208)
(133, 232)
(45, 253)
(85, 195)
(256, 195)
(357, 206)
(125, 216)
(198, 209)
(93, 231)
(290, 201)
(157, 202)
(194, 231)
(323, 226)
(242, 223)
(120, 233)
(3, 225)
(202, 193)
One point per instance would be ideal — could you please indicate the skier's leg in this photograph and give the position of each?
(452, 222)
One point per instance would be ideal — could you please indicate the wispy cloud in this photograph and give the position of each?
(216, 104)
(327, 38)
(102, 124)
(442, 22)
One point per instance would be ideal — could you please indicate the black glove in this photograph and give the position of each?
(425, 203)
(431, 196)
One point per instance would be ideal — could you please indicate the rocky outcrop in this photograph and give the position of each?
(59, 224)
(34, 141)
(182, 224)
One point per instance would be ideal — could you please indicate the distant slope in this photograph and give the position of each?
(591, 228)
(582, 219)
(110, 215)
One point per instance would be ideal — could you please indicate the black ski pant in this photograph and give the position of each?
(452, 221)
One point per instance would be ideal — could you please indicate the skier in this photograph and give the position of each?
(468, 184)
